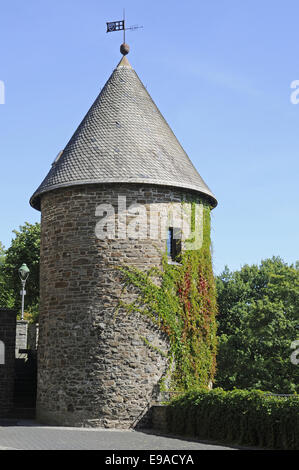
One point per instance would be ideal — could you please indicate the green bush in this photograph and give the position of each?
(244, 417)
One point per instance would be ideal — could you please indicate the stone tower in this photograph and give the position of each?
(94, 369)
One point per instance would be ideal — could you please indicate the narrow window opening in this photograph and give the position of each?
(2, 352)
(174, 245)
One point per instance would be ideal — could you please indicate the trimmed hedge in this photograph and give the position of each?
(243, 417)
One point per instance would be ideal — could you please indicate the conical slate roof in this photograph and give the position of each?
(123, 139)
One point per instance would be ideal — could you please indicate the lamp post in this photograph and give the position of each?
(23, 273)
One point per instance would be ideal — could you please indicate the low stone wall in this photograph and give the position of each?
(7, 362)
(158, 418)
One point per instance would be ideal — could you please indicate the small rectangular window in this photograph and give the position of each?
(2, 352)
(174, 245)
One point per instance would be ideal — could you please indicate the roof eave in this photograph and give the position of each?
(35, 198)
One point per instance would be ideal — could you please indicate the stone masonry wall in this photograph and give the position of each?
(7, 362)
(32, 337)
(94, 369)
(21, 336)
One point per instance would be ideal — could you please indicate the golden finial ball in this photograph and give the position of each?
(124, 49)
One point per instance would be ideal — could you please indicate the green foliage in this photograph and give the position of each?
(2, 254)
(258, 320)
(242, 417)
(6, 294)
(181, 301)
(25, 248)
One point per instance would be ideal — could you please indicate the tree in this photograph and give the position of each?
(258, 320)
(25, 248)
(2, 254)
(6, 294)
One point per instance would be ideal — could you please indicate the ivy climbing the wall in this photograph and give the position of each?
(180, 299)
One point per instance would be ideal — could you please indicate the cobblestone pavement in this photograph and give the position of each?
(32, 436)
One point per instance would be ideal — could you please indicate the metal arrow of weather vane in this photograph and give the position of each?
(120, 26)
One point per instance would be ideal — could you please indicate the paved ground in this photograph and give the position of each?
(31, 436)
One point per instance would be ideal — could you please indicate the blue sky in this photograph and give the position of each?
(220, 72)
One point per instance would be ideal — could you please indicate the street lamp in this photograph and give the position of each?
(23, 273)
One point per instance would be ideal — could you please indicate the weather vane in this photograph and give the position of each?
(120, 26)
